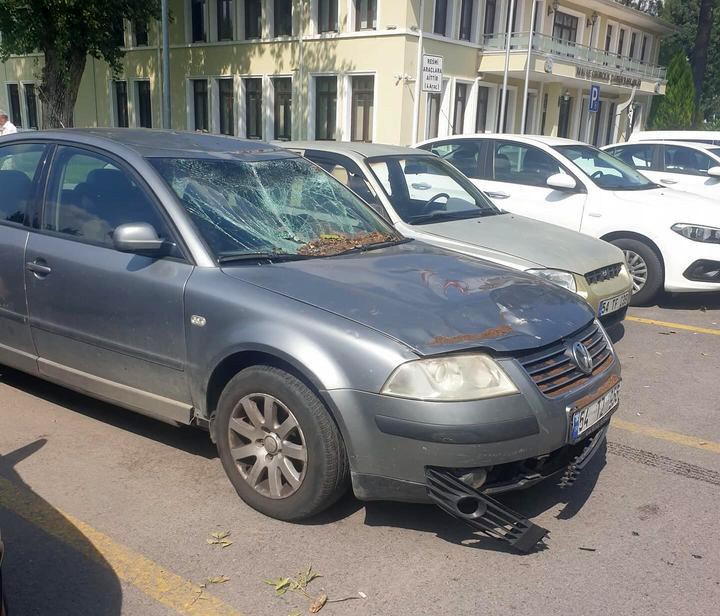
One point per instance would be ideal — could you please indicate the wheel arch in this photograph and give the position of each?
(632, 235)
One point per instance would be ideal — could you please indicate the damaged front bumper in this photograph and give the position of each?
(453, 494)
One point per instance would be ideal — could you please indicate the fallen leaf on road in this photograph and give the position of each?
(697, 556)
(220, 538)
(218, 579)
(319, 603)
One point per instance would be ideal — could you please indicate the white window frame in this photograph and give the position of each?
(241, 107)
(468, 117)
(190, 101)
(445, 111)
(449, 20)
(582, 20)
(271, 103)
(208, 24)
(113, 101)
(134, 105)
(351, 21)
(269, 23)
(345, 128)
(315, 20)
(492, 105)
(312, 95)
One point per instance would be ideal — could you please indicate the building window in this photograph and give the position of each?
(140, 34)
(621, 42)
(633, 39)
(121, 104)
(198, 20)
(144, 104)
(608, 37)
(200, 105)
(118, 33)
(225, 30)
(543, 117)
(365, 14)
(565, 27)
(283, 108)
(283, 18)
(610, 132)
(363, 102)
(328, 16)
(434, 102)
(482, 109)
(31, 104)
(14, 98)
(253, 19)
(325, 108)
(490, 11)
(643, 48)
(467, 8)
(460, 106)
(226, 100)
(441, 14)
(253, 108)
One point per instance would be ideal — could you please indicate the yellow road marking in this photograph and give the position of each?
(666, 435)
(132, 567)
(690, 328)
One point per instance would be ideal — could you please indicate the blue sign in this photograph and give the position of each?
(594, 99)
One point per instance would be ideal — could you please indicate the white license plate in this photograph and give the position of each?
(614, 303)
(586, 418)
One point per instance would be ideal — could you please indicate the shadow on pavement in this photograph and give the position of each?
(690, 301)
(188, 439)
(616, 332)
(53, 569)
(530, 503)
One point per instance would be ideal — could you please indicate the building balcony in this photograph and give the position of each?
(599, 63)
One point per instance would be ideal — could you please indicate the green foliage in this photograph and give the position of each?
(674, 111)
(70, 28)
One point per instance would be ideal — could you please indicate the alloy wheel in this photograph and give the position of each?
(638, 269)
(268, 446)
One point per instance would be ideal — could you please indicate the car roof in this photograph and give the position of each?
(529, 139)
(364, 150)
(686, 144)
(152, 143)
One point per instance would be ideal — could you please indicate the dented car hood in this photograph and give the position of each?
(430, 300)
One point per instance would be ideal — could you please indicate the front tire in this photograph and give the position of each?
(646, 270)
(278, 444)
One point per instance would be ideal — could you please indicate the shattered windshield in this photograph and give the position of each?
(272, 208)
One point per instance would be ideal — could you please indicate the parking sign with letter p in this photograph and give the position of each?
(594, 106)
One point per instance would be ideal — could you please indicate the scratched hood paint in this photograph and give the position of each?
(430, 300)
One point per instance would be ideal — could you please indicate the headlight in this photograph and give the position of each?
(452, 378)
(698, 233)
(566, 280)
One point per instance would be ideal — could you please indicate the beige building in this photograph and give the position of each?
(347, 69)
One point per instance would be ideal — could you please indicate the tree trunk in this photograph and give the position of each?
(700, 55)
(61, 77)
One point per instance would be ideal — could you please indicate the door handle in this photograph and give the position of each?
(38, 267)
(669, 181)
(498, 195)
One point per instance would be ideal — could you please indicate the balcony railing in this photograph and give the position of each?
(582, 53)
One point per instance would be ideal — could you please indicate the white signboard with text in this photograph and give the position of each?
(432, 73)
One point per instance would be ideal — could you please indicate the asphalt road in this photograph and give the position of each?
(108, 513)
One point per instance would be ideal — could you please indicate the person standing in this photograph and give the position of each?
(6, 126)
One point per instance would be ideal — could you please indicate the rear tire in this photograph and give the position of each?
(646, 270)
(279, 445)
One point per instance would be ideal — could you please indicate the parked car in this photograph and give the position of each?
(671, 239)
(426, 198)
(711, 137)
(235, 286)
(692, 167)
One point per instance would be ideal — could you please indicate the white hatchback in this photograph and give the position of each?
(671, 239)
(694, 167)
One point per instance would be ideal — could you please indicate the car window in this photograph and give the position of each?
(463, 154)
(523, 164)
(19, 164)
(426, 189)
(715, 151)
(639, 156)
(686, 160)
(347, 173)
(606, 171)
(89, 196)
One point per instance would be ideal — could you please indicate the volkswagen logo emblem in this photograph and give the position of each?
(582, 357)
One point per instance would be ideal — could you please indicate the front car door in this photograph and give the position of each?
(103, 321)
(21, 166)
(686, 168)
(645, 157)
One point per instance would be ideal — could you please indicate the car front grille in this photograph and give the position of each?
(554, 370)
(604, 273)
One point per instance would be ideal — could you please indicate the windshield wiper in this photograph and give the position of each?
(238, 257)
(445, 216)
(373, 246)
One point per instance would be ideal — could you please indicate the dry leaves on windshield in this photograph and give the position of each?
(331, 244)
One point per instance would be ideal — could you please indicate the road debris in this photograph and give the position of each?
(220, 538)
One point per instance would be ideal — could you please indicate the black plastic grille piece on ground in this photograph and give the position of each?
(482, 512)
(572, 472)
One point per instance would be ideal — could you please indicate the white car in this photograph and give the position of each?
(671, 239)
(694, 167)
(711, 137)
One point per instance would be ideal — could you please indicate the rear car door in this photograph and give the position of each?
(687, 169)
(21, 166)
(107, 322)
(516, 180)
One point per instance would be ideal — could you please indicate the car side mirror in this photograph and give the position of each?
(714, 172)
(139, 237)
(561, 181)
